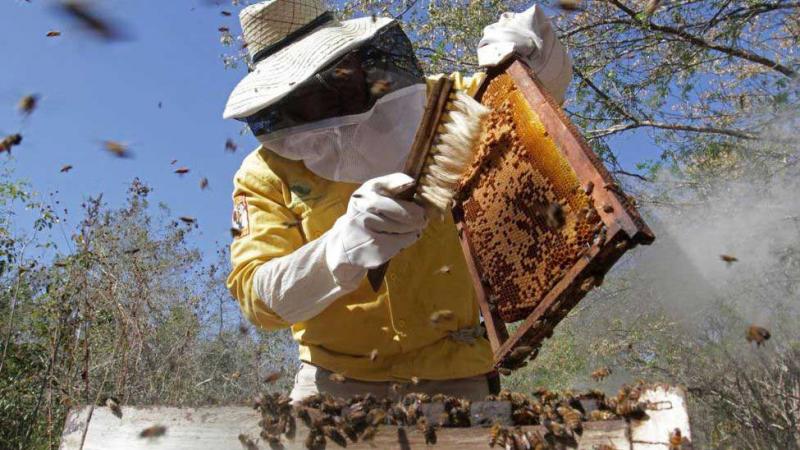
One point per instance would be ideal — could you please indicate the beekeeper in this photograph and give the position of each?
(335, 105)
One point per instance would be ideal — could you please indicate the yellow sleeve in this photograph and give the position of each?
(470, 83)
(263, 225)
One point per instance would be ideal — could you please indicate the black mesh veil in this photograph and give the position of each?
(350, 85)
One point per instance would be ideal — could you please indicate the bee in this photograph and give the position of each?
(258, 401)
(341, 72)
(235, 232)
(442, 316)
(337, 377)
(608, 208)
(224, 30)
(498, 435)
(504, 371)
(230, 145)
(53, 33)
(600, 237)
(153, 432)
(415, 380)
(675, 439)
(187, 219)
(290, 224)
(225, 13)
(272, 376)
(572, 418)
(113, 405)
(182, 170)
(587, 284)
(651, 7)
(373, 355)
(28, 104)
(369, 434)
(521, 352)
(10, 141)
(315, 440)
(380, 87)
(118, 149)
(600, 374)
(236, 375)
(443, 270)
(555, 428)
(757, 334)
(554, 216)
(247, 442)
(376, 416)
(729, 259)
(100, 27)
(65, 168)
(630, 409)
(428, 430)
(172, 163)
(588, 188)
(569, 5)
(402, 439)
(203, 183)
(335, 435)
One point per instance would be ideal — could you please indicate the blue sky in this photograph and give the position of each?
(92, 91)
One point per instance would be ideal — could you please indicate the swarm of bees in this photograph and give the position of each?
(337, 420)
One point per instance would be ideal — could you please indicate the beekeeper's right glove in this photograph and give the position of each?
(375, 228)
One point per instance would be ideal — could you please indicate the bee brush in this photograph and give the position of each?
(443, 148)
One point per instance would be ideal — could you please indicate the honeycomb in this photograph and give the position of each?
(528, 217)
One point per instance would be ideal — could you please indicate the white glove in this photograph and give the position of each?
(374, 229)
(530, 35)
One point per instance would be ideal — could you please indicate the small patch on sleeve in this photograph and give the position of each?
(240, 220)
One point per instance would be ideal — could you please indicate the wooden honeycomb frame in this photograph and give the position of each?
(619, 223)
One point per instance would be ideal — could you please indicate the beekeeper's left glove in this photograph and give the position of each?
(530, 36)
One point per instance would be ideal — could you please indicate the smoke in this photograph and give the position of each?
(752, 214)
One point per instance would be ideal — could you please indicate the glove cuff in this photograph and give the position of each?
(344, 272)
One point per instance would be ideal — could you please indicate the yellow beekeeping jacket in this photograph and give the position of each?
(282, 205)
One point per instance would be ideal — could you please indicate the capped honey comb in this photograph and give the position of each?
(517, 188)
(540, 218)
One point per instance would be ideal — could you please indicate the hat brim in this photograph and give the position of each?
(278, 74)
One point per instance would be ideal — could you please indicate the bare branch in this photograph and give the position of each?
(700, 42)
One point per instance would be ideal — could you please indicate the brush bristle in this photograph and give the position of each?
(452, 151)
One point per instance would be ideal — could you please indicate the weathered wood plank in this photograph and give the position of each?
(218, 428)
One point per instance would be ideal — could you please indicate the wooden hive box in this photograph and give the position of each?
(540, 218)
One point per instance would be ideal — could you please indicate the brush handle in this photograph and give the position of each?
(438, 97)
